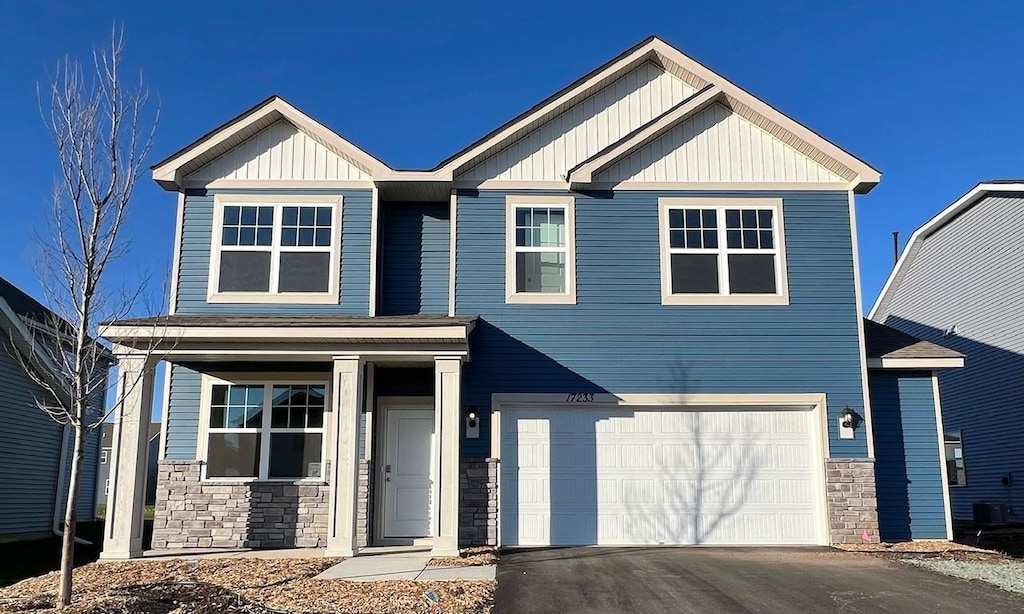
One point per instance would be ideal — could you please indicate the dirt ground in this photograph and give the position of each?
(240, 585)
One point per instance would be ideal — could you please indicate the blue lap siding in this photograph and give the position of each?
(194, 266)
(908, 475)
(414, 258)
(619, 338)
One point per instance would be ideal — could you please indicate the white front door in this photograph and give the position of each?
(408, 463)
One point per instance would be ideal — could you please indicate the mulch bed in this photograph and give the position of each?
(468, 557)
(239, 585)
(924, 549)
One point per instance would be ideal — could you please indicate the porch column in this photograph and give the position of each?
(447, 405)
(122, 530)
(343, 455)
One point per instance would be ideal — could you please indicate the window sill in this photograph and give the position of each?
(540, 299)
(311, 298)
(258, 481)
(718, 299)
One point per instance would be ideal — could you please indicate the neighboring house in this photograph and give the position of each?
(958, 283)
(103, 477)
(35, 451)
(628, 316)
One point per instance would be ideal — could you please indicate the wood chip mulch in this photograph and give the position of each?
(918, 547)
(238, 586)
(468, 557)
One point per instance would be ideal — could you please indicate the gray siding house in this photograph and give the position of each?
(959, 282)
(35, 452)
(630, 315)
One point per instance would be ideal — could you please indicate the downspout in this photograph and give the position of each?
(58, 513)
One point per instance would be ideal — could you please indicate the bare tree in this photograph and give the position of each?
(102, 132)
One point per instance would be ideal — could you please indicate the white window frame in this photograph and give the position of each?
(568, 204)
(723, 297)
(265, 430)
(277, 201)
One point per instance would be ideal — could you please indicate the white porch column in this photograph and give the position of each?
(447, 408)
(122, 531)
(343, 455)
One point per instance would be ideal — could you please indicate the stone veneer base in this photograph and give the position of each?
(852, 500)
(191, 513)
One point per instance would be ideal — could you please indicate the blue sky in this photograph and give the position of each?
(928, 92)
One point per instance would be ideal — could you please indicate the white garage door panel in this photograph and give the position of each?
(615, 477)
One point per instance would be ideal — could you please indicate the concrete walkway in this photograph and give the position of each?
(409, 565)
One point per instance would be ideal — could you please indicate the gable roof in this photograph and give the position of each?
(170, 171)
(944, 217)
(881, 341)
(861, 175)
(710, 86)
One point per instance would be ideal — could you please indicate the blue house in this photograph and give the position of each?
(35, 451)
(957, 283)
(630, 315)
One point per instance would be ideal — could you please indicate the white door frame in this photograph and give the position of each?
(380, 422)
(698, 402)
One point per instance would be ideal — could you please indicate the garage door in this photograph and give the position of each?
(612, 477)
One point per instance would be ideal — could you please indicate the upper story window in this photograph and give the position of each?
(722, 251)
(275, 249)
(540, 262)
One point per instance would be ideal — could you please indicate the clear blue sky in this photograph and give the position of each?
(928, 92)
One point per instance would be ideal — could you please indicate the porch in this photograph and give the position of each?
(374, 459)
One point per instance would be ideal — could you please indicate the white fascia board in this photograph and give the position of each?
(168, 174)
(584, 173)
(916, 363)
(622, 64)
(930, 227)
(119, 333)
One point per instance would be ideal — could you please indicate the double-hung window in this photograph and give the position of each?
(265, 431)
(540, 265)
(722, 251)
(275, 249)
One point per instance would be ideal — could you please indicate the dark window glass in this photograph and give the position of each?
(323, 237)
(306, 237)
(711, 239)
(693, 218)
(764, 218)
(244, 272)
(323, 216)
(709, 218)
(266, 216)
(249, 216)
(752, 274)
(750, 239)
(675, 218)
(767, 242)
(290, 216)
(693, 238)
(749, 218)
(229, 236)
(304, 272)
(231, 215)
(233, 455)
(306, 216)
(295, 455)
(732, 218)
(734, 239)
(264, 236)
(289, 236)
(694, 273)
(247, 235)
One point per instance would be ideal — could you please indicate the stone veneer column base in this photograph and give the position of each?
(191, 513)
(478, 502)
(852, 500)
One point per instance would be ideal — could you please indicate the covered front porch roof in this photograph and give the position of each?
(200, 338)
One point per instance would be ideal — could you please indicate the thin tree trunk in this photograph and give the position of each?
(67, 552)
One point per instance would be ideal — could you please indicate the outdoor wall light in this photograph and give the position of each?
(472, 423)
(847, 423)
(848, 416)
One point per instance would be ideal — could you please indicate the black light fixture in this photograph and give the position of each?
(848, 417)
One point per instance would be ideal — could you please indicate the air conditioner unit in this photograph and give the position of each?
(991, 513)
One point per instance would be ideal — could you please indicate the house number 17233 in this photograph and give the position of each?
(579, 397)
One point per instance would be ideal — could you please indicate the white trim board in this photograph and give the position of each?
(942, 457)
(916, 363)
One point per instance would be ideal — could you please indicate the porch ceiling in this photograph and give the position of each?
(180, 338)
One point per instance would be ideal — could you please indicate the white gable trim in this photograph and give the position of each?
(860, 175)
(585, 172)
(913, 246)
(171, 172)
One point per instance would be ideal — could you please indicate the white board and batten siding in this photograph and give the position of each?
(601, 119)
(660, 476)
(717, 145)
(279, 152)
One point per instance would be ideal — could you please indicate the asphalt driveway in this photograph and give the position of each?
(682, 580)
